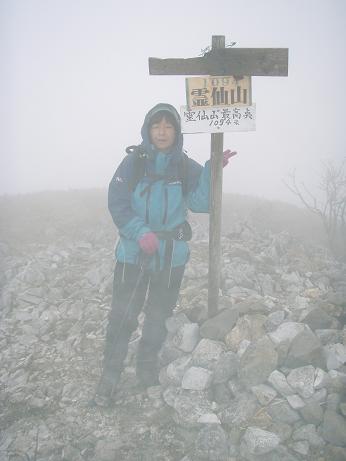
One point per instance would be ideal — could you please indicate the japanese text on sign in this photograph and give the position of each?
(218, 120)
(217, 91)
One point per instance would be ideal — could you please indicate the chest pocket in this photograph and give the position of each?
(159, 203)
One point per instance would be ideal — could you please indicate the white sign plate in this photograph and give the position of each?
(218, 119)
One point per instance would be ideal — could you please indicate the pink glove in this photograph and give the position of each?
(226, 156)
(149, 243)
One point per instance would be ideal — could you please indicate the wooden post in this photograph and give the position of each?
(216, 157)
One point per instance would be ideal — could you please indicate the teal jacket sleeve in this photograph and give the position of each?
(198, 199)
(130, 225)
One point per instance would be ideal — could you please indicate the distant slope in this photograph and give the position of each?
(47, 216)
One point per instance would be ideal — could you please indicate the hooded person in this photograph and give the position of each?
(149, 197)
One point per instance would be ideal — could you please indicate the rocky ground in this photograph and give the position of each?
(263, 380)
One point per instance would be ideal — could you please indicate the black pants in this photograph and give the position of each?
(130, 288)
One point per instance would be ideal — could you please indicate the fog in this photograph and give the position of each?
(75, 87)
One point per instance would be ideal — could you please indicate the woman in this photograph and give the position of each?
(149, 197)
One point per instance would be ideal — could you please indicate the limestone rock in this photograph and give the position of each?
(226, 367)
(286, 332)
(334, 428)
(306, 349)
(318, 319)
(207, 353)
(259, 442)
(279, 382)
(302, 380)
(248, 327)
(265, 394)
(197, 379)
(186, 337)
(217, 327)
(258, 361)
(240, 411)
(211, 444)
(280, 411)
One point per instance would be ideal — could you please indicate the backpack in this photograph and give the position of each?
(140, 157)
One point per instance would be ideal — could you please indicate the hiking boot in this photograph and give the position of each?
(106, 390)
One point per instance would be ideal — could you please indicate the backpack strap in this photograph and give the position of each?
(183, 172)
(139, 161)
(139, 168)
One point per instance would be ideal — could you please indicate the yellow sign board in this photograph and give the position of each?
(204, 92)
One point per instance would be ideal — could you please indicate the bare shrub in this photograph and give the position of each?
(329, 204)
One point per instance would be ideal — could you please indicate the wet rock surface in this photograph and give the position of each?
(265, 379)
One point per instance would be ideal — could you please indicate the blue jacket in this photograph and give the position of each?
(162, 206)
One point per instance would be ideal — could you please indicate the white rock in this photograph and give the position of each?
(286, 332)
(207, 353)
(321, 379)
(244, 344)
(259, 442)
(187, 337)
(295, 401)
(302, 380)
(209, 418)
(279, 382)
(335, 355)
(175, 322)
(265, 394)
(197, 379)
(176, 369)
(301, 447)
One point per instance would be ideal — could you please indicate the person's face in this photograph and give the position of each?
(162, 135)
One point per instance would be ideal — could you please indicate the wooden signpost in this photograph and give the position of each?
(238, 64)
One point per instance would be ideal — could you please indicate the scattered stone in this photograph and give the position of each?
(197, 379)
(295, 401)
(189, 406)
(274, 320)
(259, 442)
(242, 347)
(335, 356)
(318, 319)
(265, 394)
(279, 382)
(240, 411)
(334, 428)
(186, 337)
(211, 444)
(249, 327)
(280, 411)
(106, 450)
(286, 332)
(218, 326)
(306, 349)
(176, 369)
(226, 367)
(302, 380)
(257, 362)
(302, 447)
(207, 353)
(308, 432)
(312, 413)
(330, 336)
(321, 379)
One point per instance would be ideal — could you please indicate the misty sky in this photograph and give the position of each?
(75, 86)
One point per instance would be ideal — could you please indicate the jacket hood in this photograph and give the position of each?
(178, 146)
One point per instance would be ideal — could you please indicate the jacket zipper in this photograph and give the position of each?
(166, 207)
(147, 206)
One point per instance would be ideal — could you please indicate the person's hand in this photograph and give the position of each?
(226, 156)
(149, 243)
